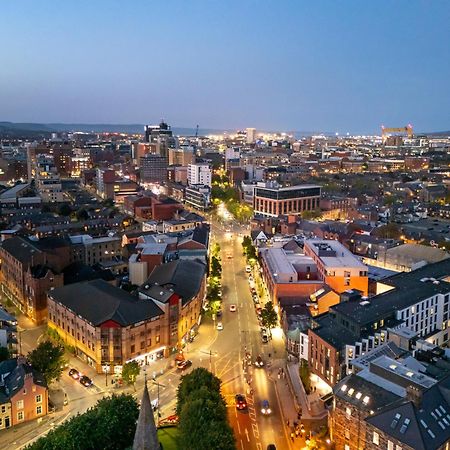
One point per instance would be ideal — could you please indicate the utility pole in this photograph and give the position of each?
(157, 405)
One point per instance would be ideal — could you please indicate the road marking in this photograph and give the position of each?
(242, 445)
(258, 446)
(239, 427)
(246, 434)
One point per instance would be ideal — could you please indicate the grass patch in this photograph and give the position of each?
(168, 436)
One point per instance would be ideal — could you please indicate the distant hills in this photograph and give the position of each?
(44, 130)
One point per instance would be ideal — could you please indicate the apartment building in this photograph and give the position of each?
(416, 302)
(199, 174)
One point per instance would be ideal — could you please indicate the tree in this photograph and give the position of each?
(82, 214)
(305, 375)
(64, 210)
(130, 371)
(109, 425)
(48, 359)
(216, 267)
(269, 316)
(4, 354)
(311, 215)
(202, 413)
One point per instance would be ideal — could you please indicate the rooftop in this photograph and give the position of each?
(97, 302)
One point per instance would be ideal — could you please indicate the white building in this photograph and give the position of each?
(251, 135)
(48, 182)
(199, 174)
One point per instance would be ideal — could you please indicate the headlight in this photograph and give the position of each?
(263, 411)
(269, 411)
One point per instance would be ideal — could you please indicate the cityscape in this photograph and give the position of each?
(184, 267)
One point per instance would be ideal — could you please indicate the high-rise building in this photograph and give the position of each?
(181, 156)
(199, 173)
(162, 135)
(153, 168)
(251, 135)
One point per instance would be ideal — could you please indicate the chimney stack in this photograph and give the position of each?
(414, 394)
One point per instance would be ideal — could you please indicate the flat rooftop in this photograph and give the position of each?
(334, 254)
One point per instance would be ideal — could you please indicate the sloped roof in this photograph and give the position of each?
(97, 301)
(182, 275)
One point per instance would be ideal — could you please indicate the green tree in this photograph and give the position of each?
(216, 267)
(305, 375)
(269, 316)
(193, 381)
(82, 214)
(130, 371)
(109, 425)
(48, 359)
(203, 422)
(64, 209)
(311, 215)
(4, 354)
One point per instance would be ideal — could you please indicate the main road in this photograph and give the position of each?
(241, 336)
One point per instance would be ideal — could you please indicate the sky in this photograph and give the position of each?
(337, 66)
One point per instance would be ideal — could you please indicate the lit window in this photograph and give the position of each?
(390, 445)
(376, 438)
(348, 411)
(19, 404)
(366, 399)
(20, 416)
(344, 388)
(409, 374)
(392, 367)
(358, 395)
(350, 391)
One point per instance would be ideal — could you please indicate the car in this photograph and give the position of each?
(219, 313)
(271, 447)
(229, 255)
(250, 278)
(73, 373)
(264, 338)
(248, 269)
(85, 381)
(259, 361)
(219, 326)
(182, 365)
(241, 402)
(265, 407)
(232, 308)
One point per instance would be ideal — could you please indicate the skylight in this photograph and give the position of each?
(358, 395)
(395, 421)
(405, 426)
(366, 399)
(344, 388)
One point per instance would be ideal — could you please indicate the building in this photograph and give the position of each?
(23, 393)
(108, 326)
(103, 178)
(199, 174)
(162, 136)
(153, 168)
(8, 332)
(181, 156)
(198, 196)
(338, 267)
(29, 269)
(415, 301)
(90, 251)
(48, 183)
(270, 199)
(250, 135)
(105, 324)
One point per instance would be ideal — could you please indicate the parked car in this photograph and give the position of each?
(241, 402)
(74, 374)
(248, 269)
(232, 308)
(219, 326)
(85, 381)
(183, 365)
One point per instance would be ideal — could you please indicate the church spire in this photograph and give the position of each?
(146, 437)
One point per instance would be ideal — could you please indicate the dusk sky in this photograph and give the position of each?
(344, 66)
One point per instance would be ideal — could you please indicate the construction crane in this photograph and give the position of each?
(386, 131)
(196, 131)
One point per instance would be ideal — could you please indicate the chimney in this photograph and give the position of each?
(414, 394)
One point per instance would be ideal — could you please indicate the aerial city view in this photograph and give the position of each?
(225, 225)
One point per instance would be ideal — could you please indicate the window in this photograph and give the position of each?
(3, 408)
(397, 447)
(20, 416)
(390, 445)
(38, 409)
(39, 398)
(19, 404)
(346, 447)
(347, 434)
(376, 438)
(348, 412)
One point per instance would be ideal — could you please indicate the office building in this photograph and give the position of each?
(162, 136)
(181, 156)
(250, 135)
(271, 199)
(48, 182)
(198, 196)
(153, 168)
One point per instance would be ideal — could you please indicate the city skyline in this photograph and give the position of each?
(327, 67)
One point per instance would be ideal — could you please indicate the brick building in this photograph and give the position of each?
(23, 393)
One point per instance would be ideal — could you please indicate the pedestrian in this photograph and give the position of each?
(299, 414)
(296, 432)
(287, 423)
(292, 436)
(295, 424)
